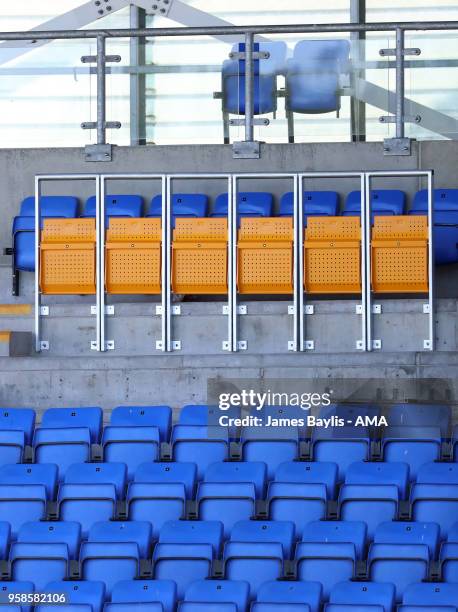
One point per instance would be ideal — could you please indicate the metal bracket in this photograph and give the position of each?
(359, 309)
(92, 125)
(176, 309)
(44, 345)
(109, 345)
(256, 121)
(176, 345)
(427, 345)
(397, 146)
(240, 55)
(376, 309)
(155, 7)
(426, 309)
(359, 345)
(309, 309)
(92, 59)
(159, 345)
(44, 311)
(242, 345)
(98, 153)
(109, 310)
(376, 344)
(392, 52)
(245, 149)
(242, 309)
(309, 345)
(291, 345)
(406, 119)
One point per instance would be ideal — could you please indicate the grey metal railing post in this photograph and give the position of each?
(399, 83)
(38, 345)
(101, 90)
(249, 84)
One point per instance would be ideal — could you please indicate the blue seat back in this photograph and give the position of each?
(120, 531)
(409, 532)
(290, 593)
(200, 445)
(18, 419)
(431, 594)
(12, 445)
(184, 205)
(298, 502)
(265, 531)
(383, 202)
(313, 472)
(249, 204)
(130, 445)
(421, 415)
(219, 592)
(163, 592)
(365, 473)
(99, 473)
(39, 563)
(412, 445)
(156, 503)
(349, 444)
(109, 562)
(116, 206)
(354, 532)
(63, 447)
(226, 502)
(312, 79)
(244, 471)
(438, 473)
(5, 535)
(29, 474)
(169, 472)
(75, 417)
(11, 587)
(315, 204)
(144, 416)
(364, 594)
(21, 503)
(193, 532)
(79, 593)
(372, 504)
(436, 503)
(52, 532)
(183, 563)
(50, 206)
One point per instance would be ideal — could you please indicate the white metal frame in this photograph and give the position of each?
(299, 307)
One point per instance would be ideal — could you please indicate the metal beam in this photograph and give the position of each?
(137, 80)
(357, 107)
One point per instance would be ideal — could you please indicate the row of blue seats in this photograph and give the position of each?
(233, 596)
(257, 552)
(230, 492)
(250, 204)
(137, 434)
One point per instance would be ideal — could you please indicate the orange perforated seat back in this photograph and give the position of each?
(265, 255)
(332, 255)
(67, 256)
(133, 256)
(199, 256)
(400, 254)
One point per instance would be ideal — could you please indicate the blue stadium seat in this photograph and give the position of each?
(79, 595)
(198, 444)
(398, 564)
(62, 418)
(208, 595)
(156, 503)
(249, 204)
(314, 203)
(183, 563)
(438, 473)
(312, 78)
(184, 205)
(430, 596)
(116, 206)
(365, 473)
(193, 532)
(255, 562)
(349, 444)
(298, 502)
(266, 531)
(271, 445)
(290, 596)
(325, 562)
(12, 445)
(130, 445)
(453, 534)
(243, 471)
(437, 503)
(63, 447)
(421, 415)
(18, 419)
(168, 473)
(227, 502)
(146, 592)
(90, 493)
(39, 563)
(449, 562)
(144, 416)
(29, 474)
(52, 532)
(445, 206)
(109, 562)
(409, 532)
(20, 503)
(5, 535)
(10, 588)
(24, 226)
(138, 532)
(201, 414)
(383, 202)
(373, 504)
(311, 472)
(412, 445)
(362, 597)
(266, 71)
(354, 532)
(153, 606)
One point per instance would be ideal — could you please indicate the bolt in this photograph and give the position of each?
(108, 8)
(154, 7)
(100, 12)
(162, 10)
(97, 3)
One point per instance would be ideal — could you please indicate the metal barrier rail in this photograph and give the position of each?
(102, 151)
(298, 308)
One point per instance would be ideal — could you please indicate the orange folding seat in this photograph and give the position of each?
(265, 255)
(67, 256)
(332, 255)
(199, 256)
(400, 254)
(133, 256)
